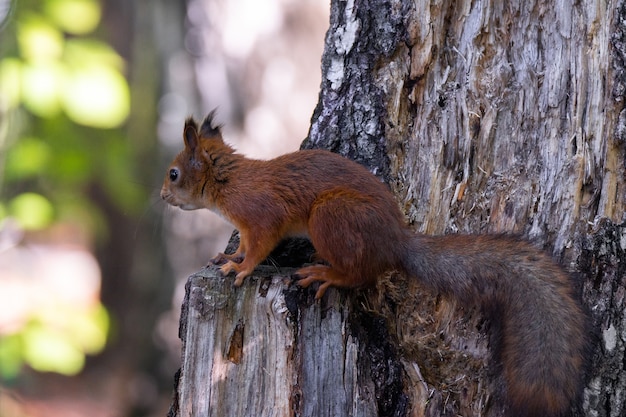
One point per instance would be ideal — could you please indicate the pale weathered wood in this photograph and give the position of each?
(245, 353)
(226, 356)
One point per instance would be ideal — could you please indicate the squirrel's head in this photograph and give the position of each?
(199, 168)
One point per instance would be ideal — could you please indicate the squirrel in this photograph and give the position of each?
(358, 230)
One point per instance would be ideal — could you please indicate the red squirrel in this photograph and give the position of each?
(357, 228)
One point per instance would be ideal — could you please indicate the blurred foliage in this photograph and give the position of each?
(55, 341)
(64, 100)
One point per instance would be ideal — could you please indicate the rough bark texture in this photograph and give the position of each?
(483, 117)
(265, 350)
(603, 263)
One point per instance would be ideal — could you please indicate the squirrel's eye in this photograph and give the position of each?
(173, 174)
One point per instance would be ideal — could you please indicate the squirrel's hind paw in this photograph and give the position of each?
(310, 274)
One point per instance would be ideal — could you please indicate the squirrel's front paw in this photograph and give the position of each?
(228, 267)
(219, 259)
(239, 279)
(222, 258)
(231, 266)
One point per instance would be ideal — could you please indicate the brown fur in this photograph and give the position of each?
(357, 228)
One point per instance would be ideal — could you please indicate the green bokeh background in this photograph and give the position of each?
(65, 147)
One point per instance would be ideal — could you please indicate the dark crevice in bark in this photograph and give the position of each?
(379, 360)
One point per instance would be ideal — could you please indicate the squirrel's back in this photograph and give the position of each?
(289, 186)
(314, 171)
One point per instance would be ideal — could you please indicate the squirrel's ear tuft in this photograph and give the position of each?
(190, 133)
(208, 128)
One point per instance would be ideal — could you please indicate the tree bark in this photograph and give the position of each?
(259, 351)
(483, 117)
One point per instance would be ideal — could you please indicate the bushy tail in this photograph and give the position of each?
(543, 338)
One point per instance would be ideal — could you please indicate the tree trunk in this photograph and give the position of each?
(483, 117)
